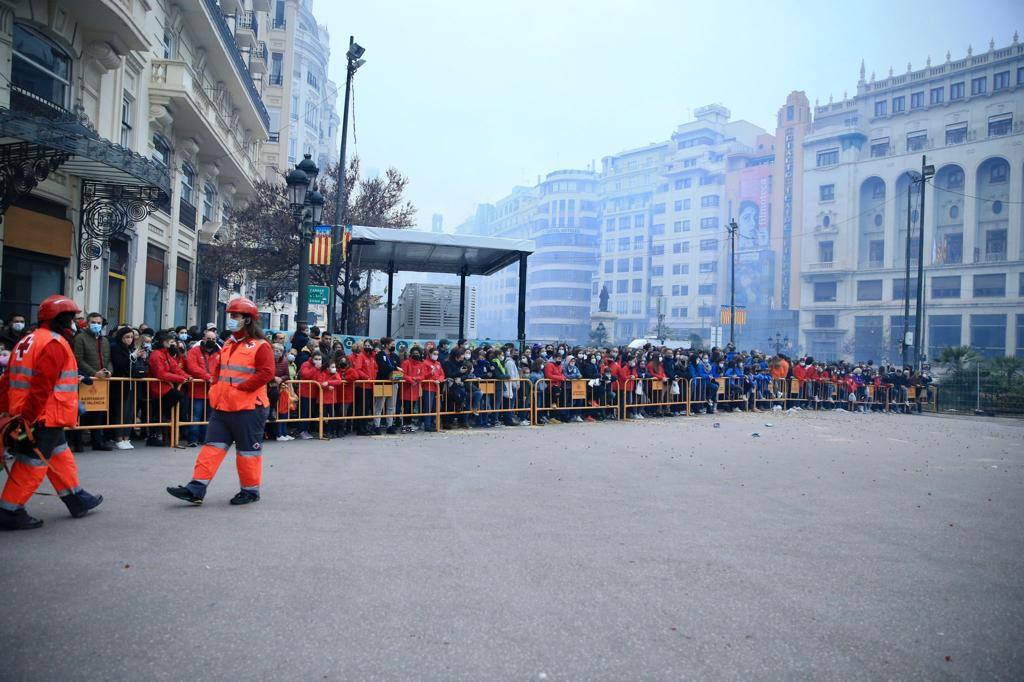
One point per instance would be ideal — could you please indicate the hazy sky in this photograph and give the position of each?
(469, 98)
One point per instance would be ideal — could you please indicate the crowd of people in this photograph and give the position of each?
(373, 387)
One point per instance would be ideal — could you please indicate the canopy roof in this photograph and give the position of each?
(382, 248)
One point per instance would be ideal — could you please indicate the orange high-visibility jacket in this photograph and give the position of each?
(238, 364)
(61, 407)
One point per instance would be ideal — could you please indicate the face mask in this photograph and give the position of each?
(173, 350)
(317, 363)
(18, 326)
(233, 325)
(632, 364)
(183, 336)
(334, 370)
(95, 328)
(210, 344)
(433, 356)
(291, 358)
(416, 356)
(148, 345)
(4, 359)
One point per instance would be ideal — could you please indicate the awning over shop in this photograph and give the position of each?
(382, 248)
(119, 187)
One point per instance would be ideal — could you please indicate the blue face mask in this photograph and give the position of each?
(95, 328)
(183, 336)
(232, 325)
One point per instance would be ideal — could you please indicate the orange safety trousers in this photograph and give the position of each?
(245, 430)
(29, 470)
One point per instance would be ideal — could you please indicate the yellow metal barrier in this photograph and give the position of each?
(595, 398)
(655, 395)
(487, 401)
(124, 404)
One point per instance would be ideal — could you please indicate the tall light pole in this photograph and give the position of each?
(355, 51)
(926, 172)
(733, 229)
(307, 208)
(911, 180)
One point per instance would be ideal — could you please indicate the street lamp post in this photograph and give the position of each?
(778, 342)
(733, 229)
(307, 208)
(927, 171)
(355, 51)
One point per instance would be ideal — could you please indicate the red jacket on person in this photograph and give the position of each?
(310, 372)
(554, 374)
(432, 372)
(800, 373)
(166, 368)
(624, 377)
(415, 371)
(201, 366)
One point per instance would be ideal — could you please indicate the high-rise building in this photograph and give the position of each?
(663, 224)
(560, 215)
(143, 128)
(301, 99)
(862, 157)
(431, 311)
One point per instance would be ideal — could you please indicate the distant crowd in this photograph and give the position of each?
(374, 387)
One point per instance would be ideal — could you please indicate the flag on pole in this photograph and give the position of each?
(320, 249)
(346, 235)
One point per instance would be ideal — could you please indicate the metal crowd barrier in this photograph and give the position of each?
(123, 405)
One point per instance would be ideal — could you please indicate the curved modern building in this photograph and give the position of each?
(560, 214)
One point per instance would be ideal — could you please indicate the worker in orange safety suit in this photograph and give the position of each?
(239, 407)
(40, 389)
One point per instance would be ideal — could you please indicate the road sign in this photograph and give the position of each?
(318, 295)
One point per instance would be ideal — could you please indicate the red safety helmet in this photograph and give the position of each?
(52, 306)
(243, 306)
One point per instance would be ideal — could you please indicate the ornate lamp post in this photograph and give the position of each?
(307, 208)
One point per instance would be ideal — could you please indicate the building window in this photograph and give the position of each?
(938, 95)
(709, 201)
(624, 223)
(956, 133)
(161, 150)
(709, 266)
(1000, 173)
(622, 286)
(880, 147)
(990, 286)
(153, 296)
(658, 271)
(709, 223)
(638, 242)
(825, 252)
(638, 220)
(188, 183)
(679, 312)
(978, 85)
(658, 250)
(946, 287)
(708, 244)
(706, 289)
(956, 91)
(126, 122)
(209, 201)
(1000, 125)
(869, 290)
(827, 192)
(678, 184)
(824, 321)
(638, 264)
(880, 108)
(899, 104)
(168, 45)
(916, 100)
(312, 81)
(916, 141)
(678, 205)
(681, 269)
(181, 286)
(824, 292)
(1001, 80)
(943, 332)
(623, 243)
(680, 290)
(609, 266)
(1020, 75)
(638, 286)
(899, 288)
(829, 157)
(39, 69)
(609, 246)
(988, 335)
(622, 265)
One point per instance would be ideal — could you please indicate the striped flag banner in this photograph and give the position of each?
(346, 235)
(320, 249)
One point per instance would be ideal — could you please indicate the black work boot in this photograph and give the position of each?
(245, 497)
(18, 520)
(81, 502)
(194, 492)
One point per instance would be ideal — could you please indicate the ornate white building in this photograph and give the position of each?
(128, 129)
(965, 116)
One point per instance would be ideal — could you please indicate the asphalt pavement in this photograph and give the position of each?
(834, 546)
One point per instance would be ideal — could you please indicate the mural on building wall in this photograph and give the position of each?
(755, 261)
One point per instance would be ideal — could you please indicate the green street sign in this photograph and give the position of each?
(318, 295)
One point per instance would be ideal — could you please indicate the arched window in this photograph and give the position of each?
(188, 183)
(161, 150)
(209, 201)
(40, 72)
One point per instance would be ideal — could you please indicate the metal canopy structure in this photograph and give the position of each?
(391, 250)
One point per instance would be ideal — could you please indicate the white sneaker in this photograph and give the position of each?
(578, 419)
(305, 436)
(525, 422)
(639, 416)
(123, 445)
(285, 437)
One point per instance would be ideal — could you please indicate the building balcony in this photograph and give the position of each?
(246, 30)
(203, 112)
(258, 58)
(828, 265)
(118, 22)
(226, 63)
(276, 79)
(990, 257)
(278, 24)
